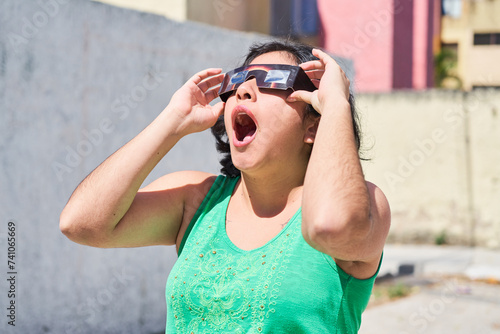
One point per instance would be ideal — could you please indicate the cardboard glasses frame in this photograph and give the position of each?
(274, 76)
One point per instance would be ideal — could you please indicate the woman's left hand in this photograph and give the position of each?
(332, 83)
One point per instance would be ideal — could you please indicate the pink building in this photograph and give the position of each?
(392, 42)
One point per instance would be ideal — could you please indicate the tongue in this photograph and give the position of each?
(245, 127)
(245, 131)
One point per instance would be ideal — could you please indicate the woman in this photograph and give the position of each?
(289, 241)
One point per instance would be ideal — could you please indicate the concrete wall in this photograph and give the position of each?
(78, 79)
(436, 155)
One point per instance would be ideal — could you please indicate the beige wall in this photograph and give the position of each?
(231, 14)
(483, 14)
(173, 9)
(436, 155)
(482, 67)
(477, 65)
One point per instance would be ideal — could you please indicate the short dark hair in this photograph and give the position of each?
(298, 52)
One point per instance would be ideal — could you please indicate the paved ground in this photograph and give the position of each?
(452, 290)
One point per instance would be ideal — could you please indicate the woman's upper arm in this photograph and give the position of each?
(159, 210)
(370, 250)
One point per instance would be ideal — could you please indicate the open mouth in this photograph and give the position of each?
(244, 127)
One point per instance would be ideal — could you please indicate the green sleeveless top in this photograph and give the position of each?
(285, 286)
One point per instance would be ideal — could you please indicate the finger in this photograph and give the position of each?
(300, 95)
(218, 109)
(212, 94)
(318, 74)
(210, 82)
(312, 65)
(200, 76)
(323, 56)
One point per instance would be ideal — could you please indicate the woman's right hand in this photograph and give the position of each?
(191, 103)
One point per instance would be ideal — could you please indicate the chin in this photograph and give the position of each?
(244, 162)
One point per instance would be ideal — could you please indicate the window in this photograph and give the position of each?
(487, 39)
(296, 18)
(482, 39)
(478, 87)
(452, 8)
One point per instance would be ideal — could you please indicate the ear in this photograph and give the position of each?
(311, 129)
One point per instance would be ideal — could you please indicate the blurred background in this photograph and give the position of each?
(80, 78)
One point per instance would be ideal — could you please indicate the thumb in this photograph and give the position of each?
(218, 109)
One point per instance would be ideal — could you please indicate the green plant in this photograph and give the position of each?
(398, 290)
(445, 65)
(440, 239)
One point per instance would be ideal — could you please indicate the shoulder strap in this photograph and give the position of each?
(219, 189)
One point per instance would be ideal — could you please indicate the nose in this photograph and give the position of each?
(247, 90)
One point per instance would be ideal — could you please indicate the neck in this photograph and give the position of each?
(268, 196)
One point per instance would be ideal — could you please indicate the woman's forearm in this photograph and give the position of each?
(104, 198)
(105, 195)
(336, 202)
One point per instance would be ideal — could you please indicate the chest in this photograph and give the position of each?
(247, 236)
(248, 231)
(218, 287)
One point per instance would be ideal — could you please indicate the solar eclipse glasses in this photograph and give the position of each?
(274, 76)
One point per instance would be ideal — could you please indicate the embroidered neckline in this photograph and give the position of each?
(227, 240)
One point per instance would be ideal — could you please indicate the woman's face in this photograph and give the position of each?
(263, 129)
